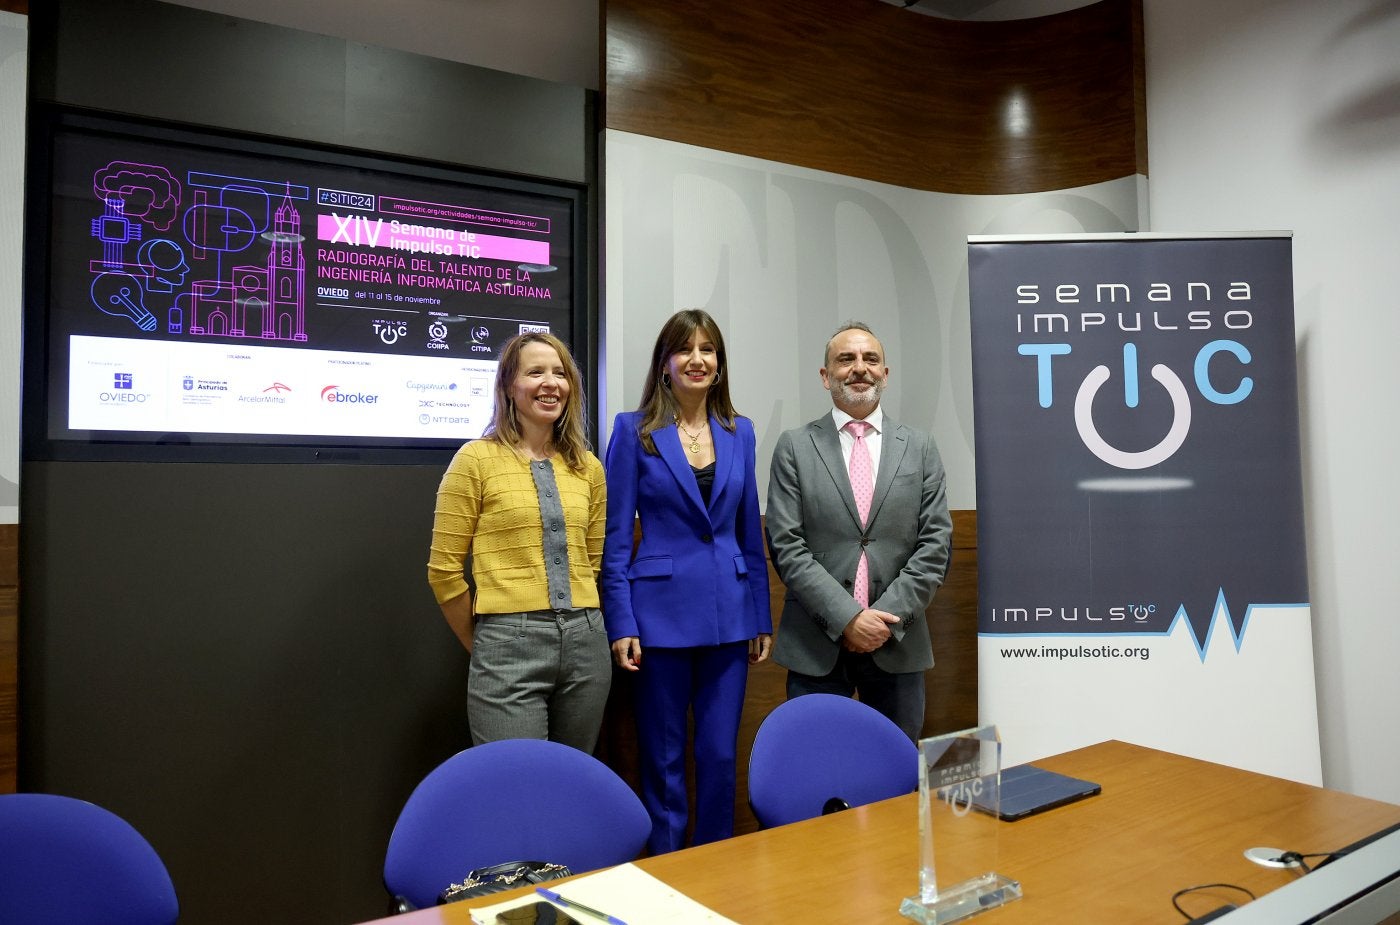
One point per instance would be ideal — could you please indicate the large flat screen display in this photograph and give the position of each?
(202, 290)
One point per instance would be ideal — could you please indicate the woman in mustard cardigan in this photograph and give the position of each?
(525, 505)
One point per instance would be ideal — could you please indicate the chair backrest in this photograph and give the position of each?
(819, 748)
(64, 860)
(512, 800)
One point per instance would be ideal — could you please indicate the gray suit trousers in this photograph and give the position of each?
(539, 675)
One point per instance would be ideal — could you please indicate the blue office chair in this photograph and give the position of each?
(64, 860)
(513, 800)
(819, 753)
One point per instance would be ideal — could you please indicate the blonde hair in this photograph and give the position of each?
(569, 438)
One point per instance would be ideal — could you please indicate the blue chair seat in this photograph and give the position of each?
(65, 861)
(512, 800)
(820, 751)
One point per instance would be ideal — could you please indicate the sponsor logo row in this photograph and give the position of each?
(428, 395)
(480, 336)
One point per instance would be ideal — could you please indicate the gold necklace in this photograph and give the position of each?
(695, 437)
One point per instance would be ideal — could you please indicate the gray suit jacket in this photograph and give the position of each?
(815, 539)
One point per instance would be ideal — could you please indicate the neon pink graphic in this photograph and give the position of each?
(150, 192)
(267, 302)
(436, 211)
(228, 224)
(226, 216)
(114, 229)
(360, 231)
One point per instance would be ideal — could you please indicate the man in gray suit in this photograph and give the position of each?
(851, 626)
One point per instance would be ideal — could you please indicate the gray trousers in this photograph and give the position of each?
(539, 675)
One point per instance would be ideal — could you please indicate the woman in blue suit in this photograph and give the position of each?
(694, 595)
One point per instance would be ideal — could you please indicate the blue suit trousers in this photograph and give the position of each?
(674, 683)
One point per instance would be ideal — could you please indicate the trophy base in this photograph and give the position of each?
(962, 900)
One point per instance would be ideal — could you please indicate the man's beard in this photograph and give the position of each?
(849, 396)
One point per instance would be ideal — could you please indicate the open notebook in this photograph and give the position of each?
(626, 893)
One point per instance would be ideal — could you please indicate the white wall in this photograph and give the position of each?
(1285, 114)
(14, 31)
(781, 255)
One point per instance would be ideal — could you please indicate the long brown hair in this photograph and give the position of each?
(569, 438)
(659, 406)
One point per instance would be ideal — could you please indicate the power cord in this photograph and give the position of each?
(1293, 857)
(1216, 913)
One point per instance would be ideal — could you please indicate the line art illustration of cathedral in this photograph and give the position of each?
(267, 302)
(224, 219)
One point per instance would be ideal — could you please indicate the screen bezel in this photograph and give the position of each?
(49, 122)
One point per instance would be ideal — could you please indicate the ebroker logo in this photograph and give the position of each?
(332, 394)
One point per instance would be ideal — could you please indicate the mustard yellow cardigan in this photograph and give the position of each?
(487, 506)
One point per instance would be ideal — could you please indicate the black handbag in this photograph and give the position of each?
(487, 880)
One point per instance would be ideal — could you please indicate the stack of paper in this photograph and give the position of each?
(625, 893)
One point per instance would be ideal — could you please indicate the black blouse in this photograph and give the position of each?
(705, 478)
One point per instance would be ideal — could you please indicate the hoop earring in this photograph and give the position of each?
(666, 380)
(719, 374)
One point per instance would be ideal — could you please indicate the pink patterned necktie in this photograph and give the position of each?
(863, 487)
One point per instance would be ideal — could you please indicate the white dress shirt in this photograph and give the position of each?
(876, 420)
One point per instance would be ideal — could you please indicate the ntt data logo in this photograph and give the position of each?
(334, 396)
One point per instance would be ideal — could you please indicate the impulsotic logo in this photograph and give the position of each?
(1176, 390)
(1131, 321)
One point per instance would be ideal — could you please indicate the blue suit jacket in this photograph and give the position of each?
(698, 577)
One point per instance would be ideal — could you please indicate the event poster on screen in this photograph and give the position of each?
(200, 290)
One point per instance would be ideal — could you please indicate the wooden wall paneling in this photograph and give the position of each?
(9, 656)
(868, 90)
(9, 689)
(9, 608)
(1139, 89)
(951, 687)
(9, 555)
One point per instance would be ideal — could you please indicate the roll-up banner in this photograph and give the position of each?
(1141, 561)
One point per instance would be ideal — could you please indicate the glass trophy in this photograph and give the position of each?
(959, 798)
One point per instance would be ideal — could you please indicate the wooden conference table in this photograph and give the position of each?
(1162, 823)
